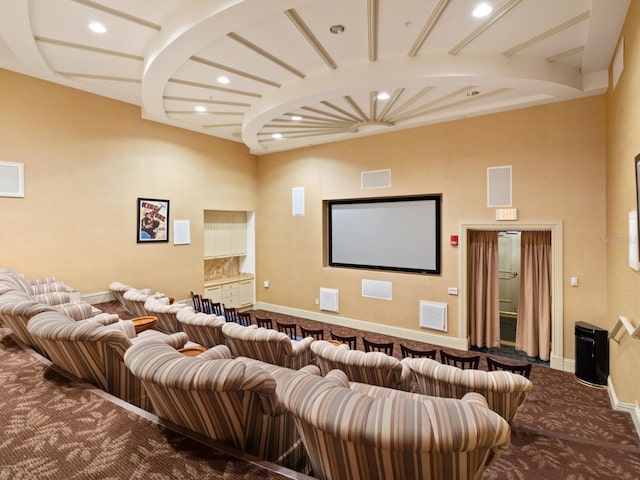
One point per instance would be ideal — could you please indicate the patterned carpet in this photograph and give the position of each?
(54, 428)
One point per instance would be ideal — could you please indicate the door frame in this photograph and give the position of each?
(557, 319)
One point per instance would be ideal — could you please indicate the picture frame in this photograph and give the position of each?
(153, 220)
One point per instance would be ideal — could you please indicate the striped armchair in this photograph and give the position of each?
(267, 345)
(364, 432)
(201, 328)
(94, 352)
(36, 286)
(117, 290)
(16, 309)
(135, 299)
(505, 391)
(229, 400)
(374, 368)
(167, 314)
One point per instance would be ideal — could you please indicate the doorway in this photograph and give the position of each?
(508, 285)
(509, 306)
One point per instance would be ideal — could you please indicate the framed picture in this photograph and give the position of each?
(153, 220)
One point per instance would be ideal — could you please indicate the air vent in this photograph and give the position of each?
(376, 179)
(499, 186)
(329, 300)
(433, 315)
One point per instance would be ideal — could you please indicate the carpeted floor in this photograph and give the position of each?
(54, 428)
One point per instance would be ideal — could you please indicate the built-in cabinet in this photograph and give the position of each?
(234, 294)
(225, 234)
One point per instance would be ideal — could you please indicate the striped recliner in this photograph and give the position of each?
(374, 368)
(229, 400)
(268, 345)
(505, 391)
(135, 299)
(94, 353)
(202, 328)
(166, 314)
(365, 432)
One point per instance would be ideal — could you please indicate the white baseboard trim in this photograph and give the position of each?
(98, 297)
(435, 339)
(630, 408)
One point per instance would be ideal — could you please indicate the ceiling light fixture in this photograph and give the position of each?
(383, 96)
(297, 118)
(223, 80)
(276, 136)
(336, 29)
(200, 108)
(482, 10)
(97, 27)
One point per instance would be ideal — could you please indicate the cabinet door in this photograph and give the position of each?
(214, 293)
(209, 240)
(230, 296)
(222, 234)
(238, 233)
(245, 292)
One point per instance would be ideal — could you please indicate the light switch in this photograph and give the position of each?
(574, 281)
(452, 290)
(266, 284)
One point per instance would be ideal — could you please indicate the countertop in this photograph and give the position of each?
(221, 281)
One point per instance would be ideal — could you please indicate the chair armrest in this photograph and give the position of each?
(311, 370)
(176, 340)
(219, 352)
(105, 318)
(299, 347)
(406, 377)
(338, 377)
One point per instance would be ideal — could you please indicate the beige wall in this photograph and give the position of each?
(623, 144)
(87, 159)
(557, 153)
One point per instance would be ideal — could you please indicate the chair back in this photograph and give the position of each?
(348, 340)
(523, 369)
(413, 353)
(377, 347)
(135, 300)
(205, 306)
(196, 299)
(201, 328)
(373, 368)
(244, 319)
(430, 438)
(269, 346)
(231, 314)
(166, 314)
(315, 334)
(264, 322)
(117, 290)
(290, 329)
(463, 362)
(221, 398)
(505, 391)
(216, 309)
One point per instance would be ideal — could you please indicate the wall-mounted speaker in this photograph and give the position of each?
(499, 186)
(375, 179)
(329, 300)
(297, 201)
(11, 179)
(377, 289)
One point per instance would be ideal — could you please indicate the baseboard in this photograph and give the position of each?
(435, 339)
(98, 297)
(630, 408)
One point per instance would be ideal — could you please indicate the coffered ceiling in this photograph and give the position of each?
(303, 72)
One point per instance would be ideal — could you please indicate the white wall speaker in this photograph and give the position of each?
(297, 201)
(499, 186)
(11, 179)
(433, 315)
(375, 179)
(181, 232)
(329, 300)
(377, 289)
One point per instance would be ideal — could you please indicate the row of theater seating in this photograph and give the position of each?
(307, 405)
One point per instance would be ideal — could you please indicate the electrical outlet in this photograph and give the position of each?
(317, 302)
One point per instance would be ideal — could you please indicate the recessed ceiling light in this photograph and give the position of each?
(336, 29)
(200, 109)
(276, 136)
(223, 80)
(97, 27)
(383, 96)
(482, 10)
(297, 118)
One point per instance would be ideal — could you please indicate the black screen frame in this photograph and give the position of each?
(436, 198)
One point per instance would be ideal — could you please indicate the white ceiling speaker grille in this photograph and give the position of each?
(376, 179)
